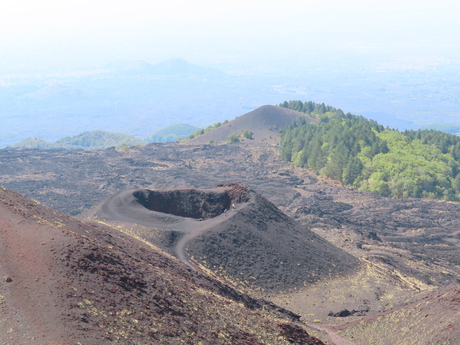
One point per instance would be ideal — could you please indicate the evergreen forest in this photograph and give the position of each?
(363, 154)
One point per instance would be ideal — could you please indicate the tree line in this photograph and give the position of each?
(364, 154)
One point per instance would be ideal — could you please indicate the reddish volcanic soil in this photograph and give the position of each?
(29, 287)
(66, 282)
(432, 319)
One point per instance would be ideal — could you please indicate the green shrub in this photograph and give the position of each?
(233, 138)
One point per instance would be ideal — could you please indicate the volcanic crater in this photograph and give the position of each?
(67, 282)
(193, 203)
(231, 230)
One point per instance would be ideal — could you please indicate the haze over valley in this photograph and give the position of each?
(139, 99)
(138, 72)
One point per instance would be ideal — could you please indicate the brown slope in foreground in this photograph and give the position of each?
(432, 319)
(65, 282)
(407, 246)
(265, 122)
(252, 243)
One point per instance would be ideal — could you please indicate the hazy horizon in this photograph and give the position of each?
(82, 34)
(390, 58)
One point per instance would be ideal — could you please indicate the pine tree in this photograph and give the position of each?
(352, 170)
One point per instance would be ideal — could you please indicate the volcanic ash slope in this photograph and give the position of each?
(260, 246)
(254, 244)
(66, 282)
(430, 320)
(264, 122)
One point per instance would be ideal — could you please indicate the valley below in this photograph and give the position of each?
(353, 266)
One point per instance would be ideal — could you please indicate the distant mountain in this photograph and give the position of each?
(264, 122)
(34, 143)
(99, 140)
(94, 140)
(139, 66)
(180, 66)
(173, 67)
(172, 133)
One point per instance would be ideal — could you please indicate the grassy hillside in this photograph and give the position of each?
(34, 143)
(172, 133)
(94, 140)
(99, 140)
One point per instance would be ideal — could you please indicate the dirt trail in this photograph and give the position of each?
(121, 208)
(333, 337)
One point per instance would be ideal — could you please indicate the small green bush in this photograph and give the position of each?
(233, 138)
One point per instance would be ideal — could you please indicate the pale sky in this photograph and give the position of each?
(30, 17)
(175, 27)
